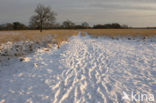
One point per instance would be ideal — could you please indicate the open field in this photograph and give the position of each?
(82, 70)
(122, 32)
(20, 43)
(35, 35)
(33, 39)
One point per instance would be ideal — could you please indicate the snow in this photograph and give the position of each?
(83, 70)
(24, 47)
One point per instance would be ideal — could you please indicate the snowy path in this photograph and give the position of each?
(84, 70)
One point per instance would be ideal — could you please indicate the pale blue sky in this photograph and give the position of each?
(131, 12)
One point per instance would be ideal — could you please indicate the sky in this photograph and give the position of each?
(136, 13)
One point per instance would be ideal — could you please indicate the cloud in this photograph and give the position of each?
(126, 6)
(132, 12)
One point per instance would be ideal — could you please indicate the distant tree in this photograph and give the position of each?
(44, 17)
(68, 24)
(57, 26)
(125, 26)
(17, 26)
(9, 26)
(98, 26)
(108, 26)
(85, 25)
(116, 26)
(1, 27)
(78, 27)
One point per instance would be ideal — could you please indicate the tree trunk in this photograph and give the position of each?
(41, 29)
(41, 26)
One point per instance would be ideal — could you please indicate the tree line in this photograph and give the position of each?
(45, 18)
(65, 25)
(68, 24)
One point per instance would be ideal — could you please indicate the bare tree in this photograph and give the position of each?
(68, 24)
(85, 25)
(43, 17)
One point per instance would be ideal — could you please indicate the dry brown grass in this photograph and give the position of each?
(83, 34)
(121, 32)
(35, 35)
(62, 35)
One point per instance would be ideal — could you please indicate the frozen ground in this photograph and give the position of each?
(83, 70)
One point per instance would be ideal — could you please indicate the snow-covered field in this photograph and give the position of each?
(83, 70)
